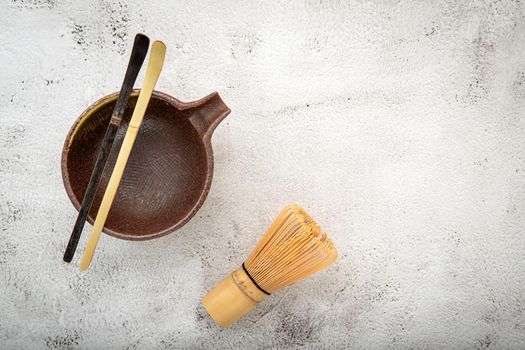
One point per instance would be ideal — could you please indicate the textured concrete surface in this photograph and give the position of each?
(399, 125)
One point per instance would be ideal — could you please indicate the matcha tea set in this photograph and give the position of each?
(138, 164)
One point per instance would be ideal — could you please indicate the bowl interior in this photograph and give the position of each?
(164, 177)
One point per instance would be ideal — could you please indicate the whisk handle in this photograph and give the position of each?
(234, 297)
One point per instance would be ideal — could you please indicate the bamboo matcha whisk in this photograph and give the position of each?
(293, 248)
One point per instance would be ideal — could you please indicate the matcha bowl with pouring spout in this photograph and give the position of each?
(169, 171)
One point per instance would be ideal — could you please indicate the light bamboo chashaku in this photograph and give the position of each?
(155, 63)
(293, 248)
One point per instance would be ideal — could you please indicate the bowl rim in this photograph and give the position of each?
(181, 106)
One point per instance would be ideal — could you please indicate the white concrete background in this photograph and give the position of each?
(399, 125)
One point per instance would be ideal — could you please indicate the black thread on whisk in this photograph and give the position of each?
(258, 286)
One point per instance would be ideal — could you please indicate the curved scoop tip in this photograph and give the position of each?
(158, 45)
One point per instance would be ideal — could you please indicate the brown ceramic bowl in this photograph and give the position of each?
(168, 174)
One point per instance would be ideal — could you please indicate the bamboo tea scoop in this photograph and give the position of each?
(156, 60)
(138, 53)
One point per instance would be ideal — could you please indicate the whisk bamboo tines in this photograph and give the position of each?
(292, 249)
